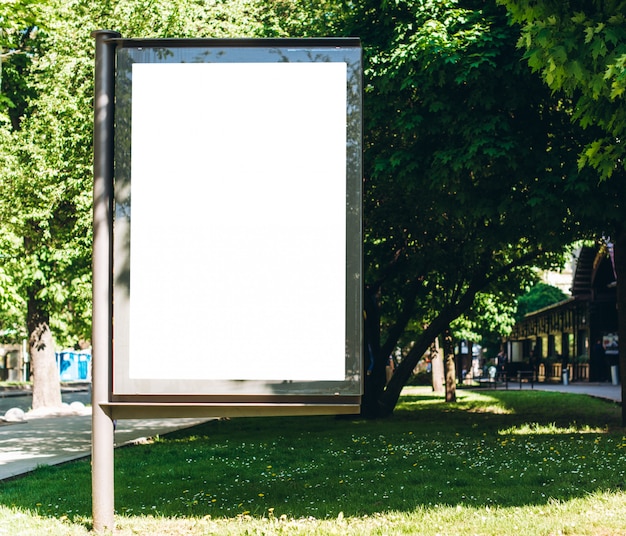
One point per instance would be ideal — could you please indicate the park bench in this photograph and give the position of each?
(521, 373)
(527, 376)
(491, 377)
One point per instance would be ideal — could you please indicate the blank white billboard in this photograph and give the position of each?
(238, 211)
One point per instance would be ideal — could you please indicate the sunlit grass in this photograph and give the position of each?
(551, 429)
(600, 514)
(495, 460)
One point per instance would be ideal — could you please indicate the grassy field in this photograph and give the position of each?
(494, 463)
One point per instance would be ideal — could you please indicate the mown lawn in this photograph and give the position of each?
(495, 462)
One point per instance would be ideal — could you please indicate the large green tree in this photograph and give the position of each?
(469, 168)
(46, 147)
(22, 214)
(537, 297)
(579, 49)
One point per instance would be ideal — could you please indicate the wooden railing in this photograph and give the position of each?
(552, 372)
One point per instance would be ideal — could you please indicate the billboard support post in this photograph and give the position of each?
(102, 424)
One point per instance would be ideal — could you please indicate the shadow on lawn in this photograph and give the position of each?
(503, 448)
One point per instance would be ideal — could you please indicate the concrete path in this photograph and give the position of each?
(57, 439)
(50, 438)
(598, 390)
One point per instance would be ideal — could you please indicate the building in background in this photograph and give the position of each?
(578, 334)
(14, 362)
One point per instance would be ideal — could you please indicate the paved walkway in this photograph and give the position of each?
(54, 439)
(58, 437)
(598, 390)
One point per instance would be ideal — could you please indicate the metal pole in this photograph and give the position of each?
(102, 425)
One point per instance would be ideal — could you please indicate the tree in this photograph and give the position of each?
(469, 168)
(468, 158)
(491, 317)
(21, 44)
(46, 169)
(538, 296)
(449, 365)
(579, 48)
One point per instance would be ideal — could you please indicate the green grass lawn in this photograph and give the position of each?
(495, 462)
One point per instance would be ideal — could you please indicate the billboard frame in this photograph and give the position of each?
(285, 394)
(308, 398)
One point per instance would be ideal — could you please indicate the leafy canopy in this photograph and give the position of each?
(579, 48)
(46, 116)
(537, 297)
(467, 161)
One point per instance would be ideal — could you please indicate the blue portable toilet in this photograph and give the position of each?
(84, 359)
(73, 365)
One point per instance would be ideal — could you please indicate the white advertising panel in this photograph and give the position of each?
(238, 191)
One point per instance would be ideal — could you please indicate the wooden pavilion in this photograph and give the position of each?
(578, 334)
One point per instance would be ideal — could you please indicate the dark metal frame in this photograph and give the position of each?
(293, 397)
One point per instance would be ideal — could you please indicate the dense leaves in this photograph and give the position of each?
(469, 168)
(46, 147)
(46, 140)
(538, 296)
(580, 48)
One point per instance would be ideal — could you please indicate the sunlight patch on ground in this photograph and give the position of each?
(468, 401)
(533, 428)
(419, 390)
(491, 408)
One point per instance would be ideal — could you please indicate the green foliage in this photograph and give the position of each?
(18, 43)
(580, 49)
(468, 157)
(467, 161)
(11, 303)
(537, 297)
(46, 198)
(45, 139)
(490, 318)
(15, 16)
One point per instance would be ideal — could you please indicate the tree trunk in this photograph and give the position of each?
(375, 362)
(391, 394)
(394, 333)
(450, 366)
(436, 367)
(389, 398)
(619, 256)
(45, 374)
